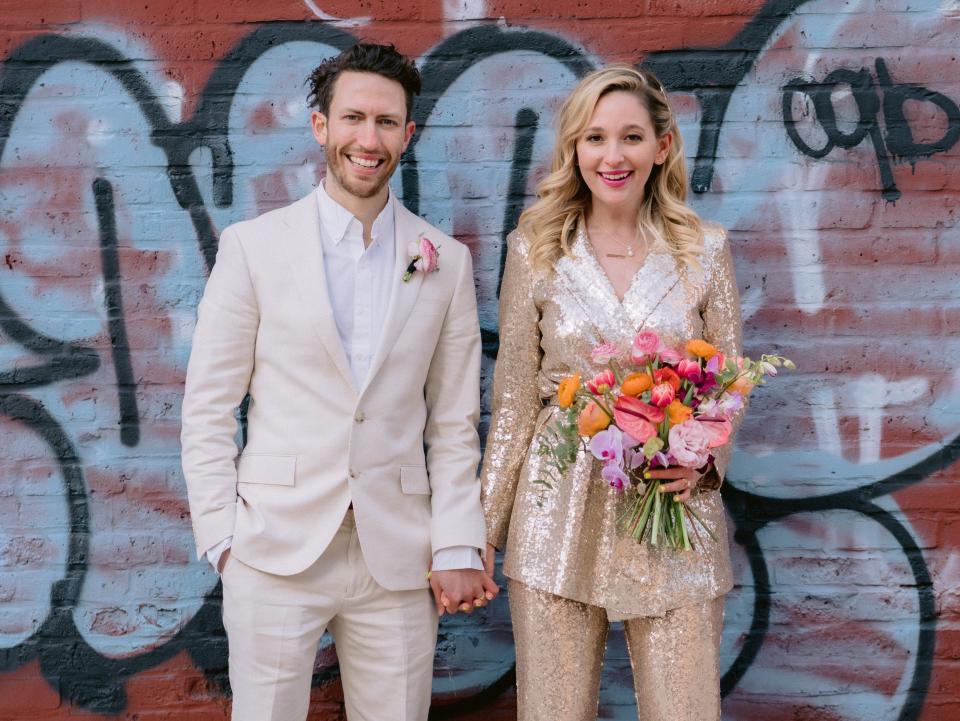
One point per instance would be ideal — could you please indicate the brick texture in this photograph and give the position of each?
(821, 133)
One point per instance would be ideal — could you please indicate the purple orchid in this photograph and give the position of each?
(607, 445)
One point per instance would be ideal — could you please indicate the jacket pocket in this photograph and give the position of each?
(413, 479)
(267, 469)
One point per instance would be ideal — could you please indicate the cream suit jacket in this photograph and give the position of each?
(404, 448)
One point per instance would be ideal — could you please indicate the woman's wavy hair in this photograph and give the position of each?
(563, 198)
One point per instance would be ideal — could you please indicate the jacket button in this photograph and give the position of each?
(353, 473)
(359, 418)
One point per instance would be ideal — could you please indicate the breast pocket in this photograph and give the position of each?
(414, 480)
(431, 304)
(267, 469)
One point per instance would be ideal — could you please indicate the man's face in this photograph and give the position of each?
(365, 132)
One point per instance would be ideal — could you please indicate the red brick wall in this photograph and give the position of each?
(823, 134)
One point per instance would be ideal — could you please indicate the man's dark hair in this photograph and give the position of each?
(363, 58)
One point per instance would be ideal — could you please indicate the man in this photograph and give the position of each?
(361, 358)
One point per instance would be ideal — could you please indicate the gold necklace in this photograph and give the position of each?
(628, 245)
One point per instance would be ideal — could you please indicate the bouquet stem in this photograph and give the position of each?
(665, 521)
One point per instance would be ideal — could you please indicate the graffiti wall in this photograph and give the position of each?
(822, 133)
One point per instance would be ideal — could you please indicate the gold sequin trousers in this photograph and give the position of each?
(560, 645)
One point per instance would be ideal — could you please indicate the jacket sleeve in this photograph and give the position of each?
(722, 328)
(453, 411)
(218, 377)
(516, 398)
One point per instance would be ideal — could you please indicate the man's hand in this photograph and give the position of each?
(462, 589)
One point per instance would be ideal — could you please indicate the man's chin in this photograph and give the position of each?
(364, 190)
(363, 187)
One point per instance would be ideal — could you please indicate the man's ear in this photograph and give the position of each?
(318, 122)
(408, 133)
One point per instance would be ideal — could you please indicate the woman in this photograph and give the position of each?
(608, 249)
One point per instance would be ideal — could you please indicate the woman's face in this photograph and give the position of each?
(618, 150)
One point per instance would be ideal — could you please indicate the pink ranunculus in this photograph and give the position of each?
(718, 430)
(689, 370)
(638, 357)
(662, 395)
(669, 355)
(602, 382)
(636, 418)
(608, 445)
(613, 474)
(647, 342)
(689, 444)
(429, 257)
(604, 353)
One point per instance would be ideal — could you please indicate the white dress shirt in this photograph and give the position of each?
(359, 281)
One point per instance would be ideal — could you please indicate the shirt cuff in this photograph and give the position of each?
(213, 554)
(454, 558)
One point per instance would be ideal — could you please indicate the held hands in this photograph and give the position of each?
(463, 589)
(680, 480)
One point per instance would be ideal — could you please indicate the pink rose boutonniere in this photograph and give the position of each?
(424, 256)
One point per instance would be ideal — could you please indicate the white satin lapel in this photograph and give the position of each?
(304, 254)
(403, 294)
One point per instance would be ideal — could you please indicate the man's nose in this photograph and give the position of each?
(367, 135)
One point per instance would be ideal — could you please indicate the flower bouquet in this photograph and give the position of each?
(653, 406)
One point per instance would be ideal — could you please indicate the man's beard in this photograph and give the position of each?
(338, 165)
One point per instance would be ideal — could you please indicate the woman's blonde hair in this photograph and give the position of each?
(563, 198)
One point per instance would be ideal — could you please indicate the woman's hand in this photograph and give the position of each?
(488, 559)
(680, 480)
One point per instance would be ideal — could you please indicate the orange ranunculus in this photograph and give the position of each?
(742, 385)
(678, 413)
(567, 391)
(701, 349)
(593, 419)
(636, 383)
(667, 375)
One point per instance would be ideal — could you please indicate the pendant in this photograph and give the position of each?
(630, 251)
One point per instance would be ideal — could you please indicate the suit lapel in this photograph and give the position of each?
(304, 254)
(403, 295)
(583, 278)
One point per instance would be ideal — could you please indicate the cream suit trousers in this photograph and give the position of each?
(384, 639)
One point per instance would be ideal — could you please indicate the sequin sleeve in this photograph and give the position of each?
(722, 327)
(516, 398)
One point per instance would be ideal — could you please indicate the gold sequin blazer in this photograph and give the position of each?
(567, 538)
